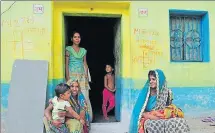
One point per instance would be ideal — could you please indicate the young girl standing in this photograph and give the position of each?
(108, 92)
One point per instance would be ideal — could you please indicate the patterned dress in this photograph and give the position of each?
(173, 121)
(77, 72)
(79, 105)
(72, 124)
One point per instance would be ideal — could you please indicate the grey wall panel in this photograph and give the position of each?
(27, 95)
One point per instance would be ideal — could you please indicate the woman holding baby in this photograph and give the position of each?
(154, 110)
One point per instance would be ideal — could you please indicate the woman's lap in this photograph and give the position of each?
(47, 126)
(74, 126)
(172, 125)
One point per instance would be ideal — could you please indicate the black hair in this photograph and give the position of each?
(73, 33)
(61, 89)
(109, 64)
(151, 72)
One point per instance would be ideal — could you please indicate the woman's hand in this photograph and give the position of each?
(67, 78)
(82, 121)
(50, 101)
(82, 114)
(56, 123)
(86, 76)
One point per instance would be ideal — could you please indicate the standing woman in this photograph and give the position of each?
(76, 67)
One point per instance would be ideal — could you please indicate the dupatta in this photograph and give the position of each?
(161, 100)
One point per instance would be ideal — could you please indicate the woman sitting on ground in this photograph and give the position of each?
(154, 108)
(79, 105)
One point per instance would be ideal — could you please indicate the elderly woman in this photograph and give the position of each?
(154, 111)
(79, 105)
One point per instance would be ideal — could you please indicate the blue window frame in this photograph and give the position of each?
(189, 36)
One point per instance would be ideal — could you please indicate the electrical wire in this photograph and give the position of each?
(8, 8)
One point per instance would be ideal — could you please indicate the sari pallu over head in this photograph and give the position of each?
(79, 104)
(163, 99)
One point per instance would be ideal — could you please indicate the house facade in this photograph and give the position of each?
(172, 36)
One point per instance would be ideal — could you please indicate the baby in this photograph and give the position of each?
(170, 111)
(60, 104)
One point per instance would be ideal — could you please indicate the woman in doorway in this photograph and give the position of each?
(77, 68)
(154, 111)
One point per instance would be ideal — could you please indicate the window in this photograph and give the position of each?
(189, 36)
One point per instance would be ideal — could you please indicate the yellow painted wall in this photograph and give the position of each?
(155, 28)
(24, 35)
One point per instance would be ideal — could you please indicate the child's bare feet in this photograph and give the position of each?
(106, 118)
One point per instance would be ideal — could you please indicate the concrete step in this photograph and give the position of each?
(113, 127)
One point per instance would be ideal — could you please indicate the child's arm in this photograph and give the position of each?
(113, 83)
(106, 83)
(114, 90)
(74, 114)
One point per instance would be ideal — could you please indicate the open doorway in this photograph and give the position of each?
(100, 36)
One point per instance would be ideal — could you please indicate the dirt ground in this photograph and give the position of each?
(197, 126)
